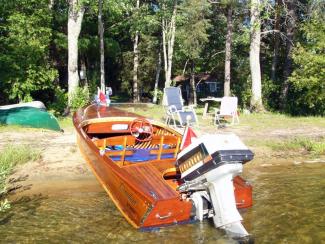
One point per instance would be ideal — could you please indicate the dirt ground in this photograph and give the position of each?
(61, 160)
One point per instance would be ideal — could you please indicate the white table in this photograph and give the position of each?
(206, 105)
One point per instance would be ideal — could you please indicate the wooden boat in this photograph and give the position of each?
(28, 117)
(134, 159)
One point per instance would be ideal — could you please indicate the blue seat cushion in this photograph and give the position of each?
(141, 155)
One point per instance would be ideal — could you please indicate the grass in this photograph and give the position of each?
(280, 121)
(257, 122)
(65, 122)
(10, 157)
(261, 124)
(310, 145)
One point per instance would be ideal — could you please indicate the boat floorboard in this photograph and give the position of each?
(150, 179)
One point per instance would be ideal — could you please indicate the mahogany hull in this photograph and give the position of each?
(140, 191)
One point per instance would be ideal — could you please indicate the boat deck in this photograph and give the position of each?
(139, 175)
(150, 179)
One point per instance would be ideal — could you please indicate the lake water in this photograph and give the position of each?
(289, 207)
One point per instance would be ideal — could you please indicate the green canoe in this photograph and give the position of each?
(30, 117)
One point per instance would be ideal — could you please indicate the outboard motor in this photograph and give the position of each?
(208, 167)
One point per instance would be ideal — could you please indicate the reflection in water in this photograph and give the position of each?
(288, 208)
(289, 204)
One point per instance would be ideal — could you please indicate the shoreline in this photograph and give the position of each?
(62, 162)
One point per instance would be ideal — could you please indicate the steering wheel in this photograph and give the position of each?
(141, 129)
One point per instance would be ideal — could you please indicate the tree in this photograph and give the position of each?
(276, 36)
(228, 51)
(76, 12)
(290, 31)
(101, 41)
(25, 35)
(168, 23)
(191, 36)
(254, 57)
(307, 93)
(136, 95)
(158, 69)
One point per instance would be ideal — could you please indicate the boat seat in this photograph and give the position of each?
(126, 148)
(115, 141)
(140, 155)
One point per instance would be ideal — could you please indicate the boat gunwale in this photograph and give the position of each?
(116, 202)
(123, 175)
(147, 199)
(84, 123)
(106, 159)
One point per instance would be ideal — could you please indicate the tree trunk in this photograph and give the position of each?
(83, 71)
(136, 96)
(76, 12)
(290, 30)
(171, 46)
(254, 57)
(168, 31)
(228, 52)
(101, 45)
(51, 4)
(193, 96)
(154, 100)
(164, 41)
(276, 40)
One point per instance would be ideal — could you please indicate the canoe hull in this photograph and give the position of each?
(34, 104)
(29, 117)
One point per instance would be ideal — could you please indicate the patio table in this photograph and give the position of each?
(208, 100)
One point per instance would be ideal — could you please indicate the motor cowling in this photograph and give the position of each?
(208, 167)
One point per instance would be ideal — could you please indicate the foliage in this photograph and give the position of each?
(80, 98)
(270, 93)
(308, 78)
(192, 32)
(60, 102)
(26, 34)
(243, 92)
(160, 94)
(33, 49)
(11, 156)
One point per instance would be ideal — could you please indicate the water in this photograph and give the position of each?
(289, 204)
(289, 207)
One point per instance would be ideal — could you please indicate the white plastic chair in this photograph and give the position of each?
(173, 103)
(228, 108)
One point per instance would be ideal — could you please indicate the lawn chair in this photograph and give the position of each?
(175, 110)
(228, 109)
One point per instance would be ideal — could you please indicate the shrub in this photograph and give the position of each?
(307, 96)
(80, 98)
(160, 94)
(60, 102)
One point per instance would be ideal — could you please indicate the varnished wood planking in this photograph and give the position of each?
(169, 211)
(138, 190)
(150, 180)
(130, 202)
(164, 165)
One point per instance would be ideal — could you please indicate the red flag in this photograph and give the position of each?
(102, 97)
(187, 137)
